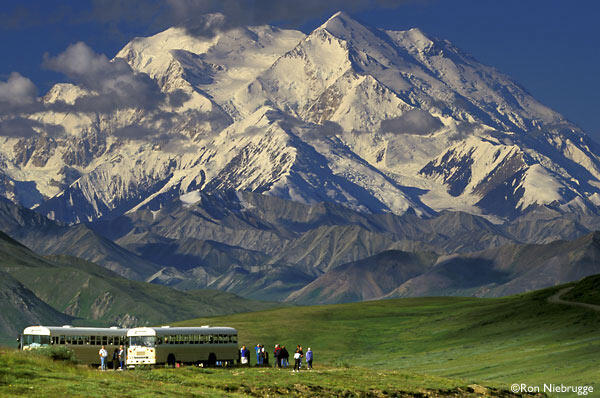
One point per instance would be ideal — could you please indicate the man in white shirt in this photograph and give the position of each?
(103, 354)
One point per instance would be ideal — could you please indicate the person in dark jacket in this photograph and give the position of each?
(265, 356)
(285, 357)
(277, 356)
(261, 356)
(115, 359)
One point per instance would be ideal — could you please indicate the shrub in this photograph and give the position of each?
(57, 353)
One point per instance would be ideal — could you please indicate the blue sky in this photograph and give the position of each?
(550, 47)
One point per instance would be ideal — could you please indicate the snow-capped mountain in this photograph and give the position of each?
(376, 120)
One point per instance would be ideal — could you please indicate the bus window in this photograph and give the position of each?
(32, 339)
(92, 340)
(234, 338)
(143, 341)
(86, 340)
(62, 340)
(104, 340)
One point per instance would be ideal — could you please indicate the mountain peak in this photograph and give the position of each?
(341, 21)
(340, 15)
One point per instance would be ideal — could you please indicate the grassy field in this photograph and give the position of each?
(403, 347)
(497, 342)
(27, 374)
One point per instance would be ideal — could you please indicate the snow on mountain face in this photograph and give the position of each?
(376, 120)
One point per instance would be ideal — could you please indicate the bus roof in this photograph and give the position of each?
(73, 331)
(167, 331)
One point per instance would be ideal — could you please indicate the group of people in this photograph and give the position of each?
(281, 355)
(118, 356)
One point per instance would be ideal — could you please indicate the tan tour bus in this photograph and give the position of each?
(170, 345)
(84, 342)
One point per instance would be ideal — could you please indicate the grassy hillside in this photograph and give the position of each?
(55, 379)
(586, 291)
(20, 307)
(92, 292)
(490, 341)
(89, 292)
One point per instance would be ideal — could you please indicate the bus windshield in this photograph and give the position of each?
(35, 339)
(144, 341)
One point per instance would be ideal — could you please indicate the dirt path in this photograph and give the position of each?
(555, 299)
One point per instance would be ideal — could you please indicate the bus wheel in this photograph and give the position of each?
(212, 359)
(171, 360)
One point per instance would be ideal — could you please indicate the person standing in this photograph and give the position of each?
(285, 357)
(309, 358)
(245, 355)
(261, 356)
(103, 355)
(297, 360)
(257, 349)
(121, 356)
(115, 359)
(277, 356)
(299, 349)
(265, 356)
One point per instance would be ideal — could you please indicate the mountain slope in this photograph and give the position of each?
(49, 237)
(19, 308)
(508, 269)
(60, 288)
(366, 279)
